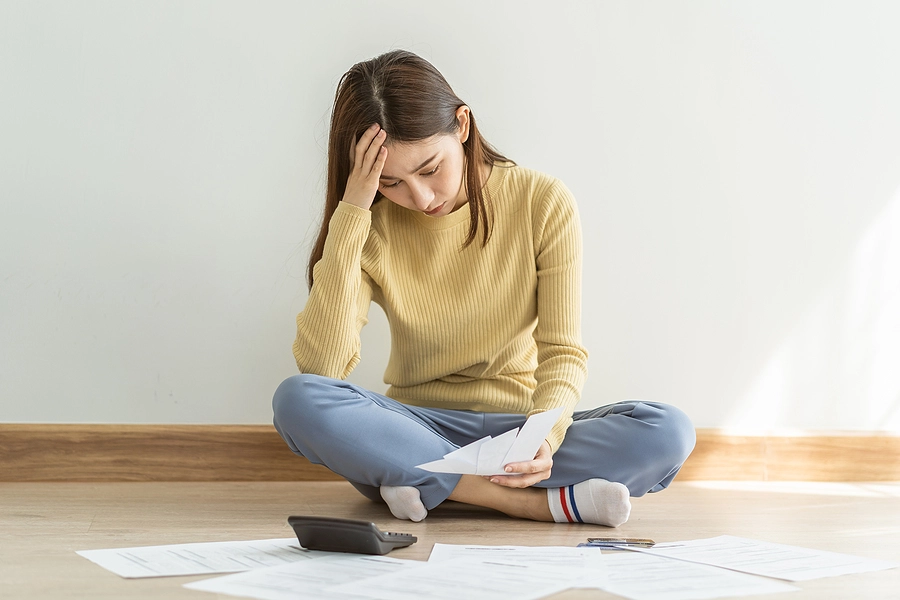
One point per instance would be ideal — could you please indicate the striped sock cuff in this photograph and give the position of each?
(562, 504)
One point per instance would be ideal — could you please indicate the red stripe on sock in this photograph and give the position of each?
(562, 499)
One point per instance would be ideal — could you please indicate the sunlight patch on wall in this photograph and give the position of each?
(839, 367)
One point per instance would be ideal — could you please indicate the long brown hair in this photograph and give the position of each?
(410, 99)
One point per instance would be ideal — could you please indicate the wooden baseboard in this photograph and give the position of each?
(834, 457)
(62, 452)
(150, 453)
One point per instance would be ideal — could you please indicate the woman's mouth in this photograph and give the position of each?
(431, 213)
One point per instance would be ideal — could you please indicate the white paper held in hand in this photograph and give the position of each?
(488, 455)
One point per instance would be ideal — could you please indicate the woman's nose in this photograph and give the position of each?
(422, 197)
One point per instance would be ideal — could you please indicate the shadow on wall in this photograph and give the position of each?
(841, 360)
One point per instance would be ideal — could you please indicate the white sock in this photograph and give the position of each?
(404, 502)
(593, 501)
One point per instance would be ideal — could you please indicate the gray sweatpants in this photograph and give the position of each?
(372, 440)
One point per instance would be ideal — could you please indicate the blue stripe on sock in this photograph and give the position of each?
(572, 502)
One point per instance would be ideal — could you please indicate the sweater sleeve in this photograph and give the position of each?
(328, 327)
(562, 359)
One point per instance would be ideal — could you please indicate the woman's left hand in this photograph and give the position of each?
(532, 471)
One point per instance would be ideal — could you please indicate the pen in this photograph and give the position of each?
(618, 543)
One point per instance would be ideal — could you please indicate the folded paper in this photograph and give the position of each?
(488, 455)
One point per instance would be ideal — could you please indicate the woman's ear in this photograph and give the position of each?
(462, 119)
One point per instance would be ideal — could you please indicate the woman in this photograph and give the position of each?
(477, 264)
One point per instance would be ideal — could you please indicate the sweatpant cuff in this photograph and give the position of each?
(435, 493)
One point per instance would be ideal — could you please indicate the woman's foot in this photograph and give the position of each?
(404, 502)
(594, 501)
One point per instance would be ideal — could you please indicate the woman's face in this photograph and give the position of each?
(426, 176)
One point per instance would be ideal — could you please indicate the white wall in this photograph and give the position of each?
(737, 166)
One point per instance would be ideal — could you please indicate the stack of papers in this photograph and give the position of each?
(471, 572)
(720, 567)
(200, 558)
(644, 577)
(779, 561)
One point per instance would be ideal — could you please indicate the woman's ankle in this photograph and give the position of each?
(521, 503)
(539, 506)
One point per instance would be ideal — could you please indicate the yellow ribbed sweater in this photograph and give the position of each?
(493, 329)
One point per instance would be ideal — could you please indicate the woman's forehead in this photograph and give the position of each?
(426, 145)
(407, 157)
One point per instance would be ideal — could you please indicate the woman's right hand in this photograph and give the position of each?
(367, 158)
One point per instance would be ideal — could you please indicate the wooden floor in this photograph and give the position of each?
(43, 524)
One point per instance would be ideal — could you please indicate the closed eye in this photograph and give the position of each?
(428, 174)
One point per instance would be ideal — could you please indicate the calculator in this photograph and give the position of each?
(346, 535)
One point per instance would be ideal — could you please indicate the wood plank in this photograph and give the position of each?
(726, 457)
(833, 458)
(51, 452)
(105, 453)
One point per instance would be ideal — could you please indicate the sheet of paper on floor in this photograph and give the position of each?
(645, 577)
(589, 560)
(780, 561)
(310, 580)
(198, 558)
(467, 578)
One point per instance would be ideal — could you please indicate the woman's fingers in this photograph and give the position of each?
(528, 473)
(362, 144)
(367, 148)
(378, 167)
(532, 466)
(374, 152)
(367, 157)
(353, 143)
(523, 474)
(542, 461)
(519, 481)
